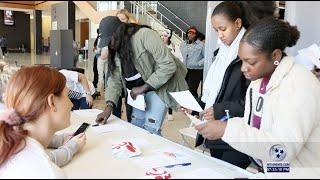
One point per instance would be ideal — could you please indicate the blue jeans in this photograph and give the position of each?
(152, 118)
(79, 104)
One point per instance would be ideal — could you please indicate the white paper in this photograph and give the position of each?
(163, 157)
(139, 103)
(138, 141)
(125, 149)
(195, 120)
(108, 128)
(202, 173)
(185, 99)
(87, 112)
(54, 25)
(312, 53)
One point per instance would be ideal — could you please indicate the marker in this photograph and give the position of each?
(173, 165)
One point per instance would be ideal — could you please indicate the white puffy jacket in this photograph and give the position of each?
(290, 117)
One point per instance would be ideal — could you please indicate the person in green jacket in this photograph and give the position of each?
(138, 60)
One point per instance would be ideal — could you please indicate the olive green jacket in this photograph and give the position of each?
(157, 66)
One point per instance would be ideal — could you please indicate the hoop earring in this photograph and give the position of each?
(276, 63)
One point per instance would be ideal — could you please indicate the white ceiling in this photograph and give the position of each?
(47, 12)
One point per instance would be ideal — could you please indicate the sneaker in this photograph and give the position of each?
(170, 117)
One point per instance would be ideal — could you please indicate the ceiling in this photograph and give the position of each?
(30, 3)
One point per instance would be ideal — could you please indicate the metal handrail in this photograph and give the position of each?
(173, 14)
(177, 17)
(159, 21)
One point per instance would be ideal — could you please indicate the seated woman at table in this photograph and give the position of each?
(281, 119)
(64, 146)
(80, 89)
(37, 109)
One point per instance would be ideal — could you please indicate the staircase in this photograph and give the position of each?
(146, 12)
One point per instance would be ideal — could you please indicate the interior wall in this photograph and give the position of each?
(84, 32)
(46, 26)
(19, 33)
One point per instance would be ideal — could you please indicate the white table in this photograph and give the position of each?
(96, 160)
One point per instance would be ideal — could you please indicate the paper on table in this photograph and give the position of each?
(139, 103)
(202, 173)
(185, 99)
(195, 120)
(138, 141)
(87, 112)
(108, 128)
(163, 157)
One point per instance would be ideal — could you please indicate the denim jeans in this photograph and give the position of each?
(80, 104)
(152, 118)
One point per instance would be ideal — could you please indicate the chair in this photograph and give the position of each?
(188, 132)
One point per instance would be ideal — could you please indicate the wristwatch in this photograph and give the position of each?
(109, 103)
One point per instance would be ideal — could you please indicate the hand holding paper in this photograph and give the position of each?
(195, 121)
(138, 103)
(185, 99)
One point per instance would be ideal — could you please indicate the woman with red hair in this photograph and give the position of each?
(37, 109)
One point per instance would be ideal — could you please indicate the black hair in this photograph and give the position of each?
(201, 36)
(98, 31)
(121, 44)
(197, 32)
(231, 10)
(169, 38)
(270, 34)
(248, 11)
(256, 10)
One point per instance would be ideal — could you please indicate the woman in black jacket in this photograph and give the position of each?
(225, 86)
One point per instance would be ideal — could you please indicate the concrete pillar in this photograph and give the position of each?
(38, 31)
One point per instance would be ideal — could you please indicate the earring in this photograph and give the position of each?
(276, 63)
(54, 110)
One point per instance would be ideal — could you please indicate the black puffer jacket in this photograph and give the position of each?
(231, 95)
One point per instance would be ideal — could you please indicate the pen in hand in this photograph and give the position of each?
(204, 141)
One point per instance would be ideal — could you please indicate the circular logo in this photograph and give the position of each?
(277, 152)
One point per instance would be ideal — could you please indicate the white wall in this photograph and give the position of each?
(211, 38)
(305, 15)
(46, 26)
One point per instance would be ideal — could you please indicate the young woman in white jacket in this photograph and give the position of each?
(282, 111)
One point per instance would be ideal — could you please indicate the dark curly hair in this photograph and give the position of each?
(270, 33)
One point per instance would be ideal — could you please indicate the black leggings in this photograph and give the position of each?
(4, 50)
(95, 71)
(193, 78)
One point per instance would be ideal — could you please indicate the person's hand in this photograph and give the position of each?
(89, 100)
(212, 130)
(208, 114)
(103, 117)
(80, 140)
(185, 110)
(67, 137)
(94, 49)
(138, 90)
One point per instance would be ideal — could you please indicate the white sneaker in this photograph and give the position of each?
(170, 117)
